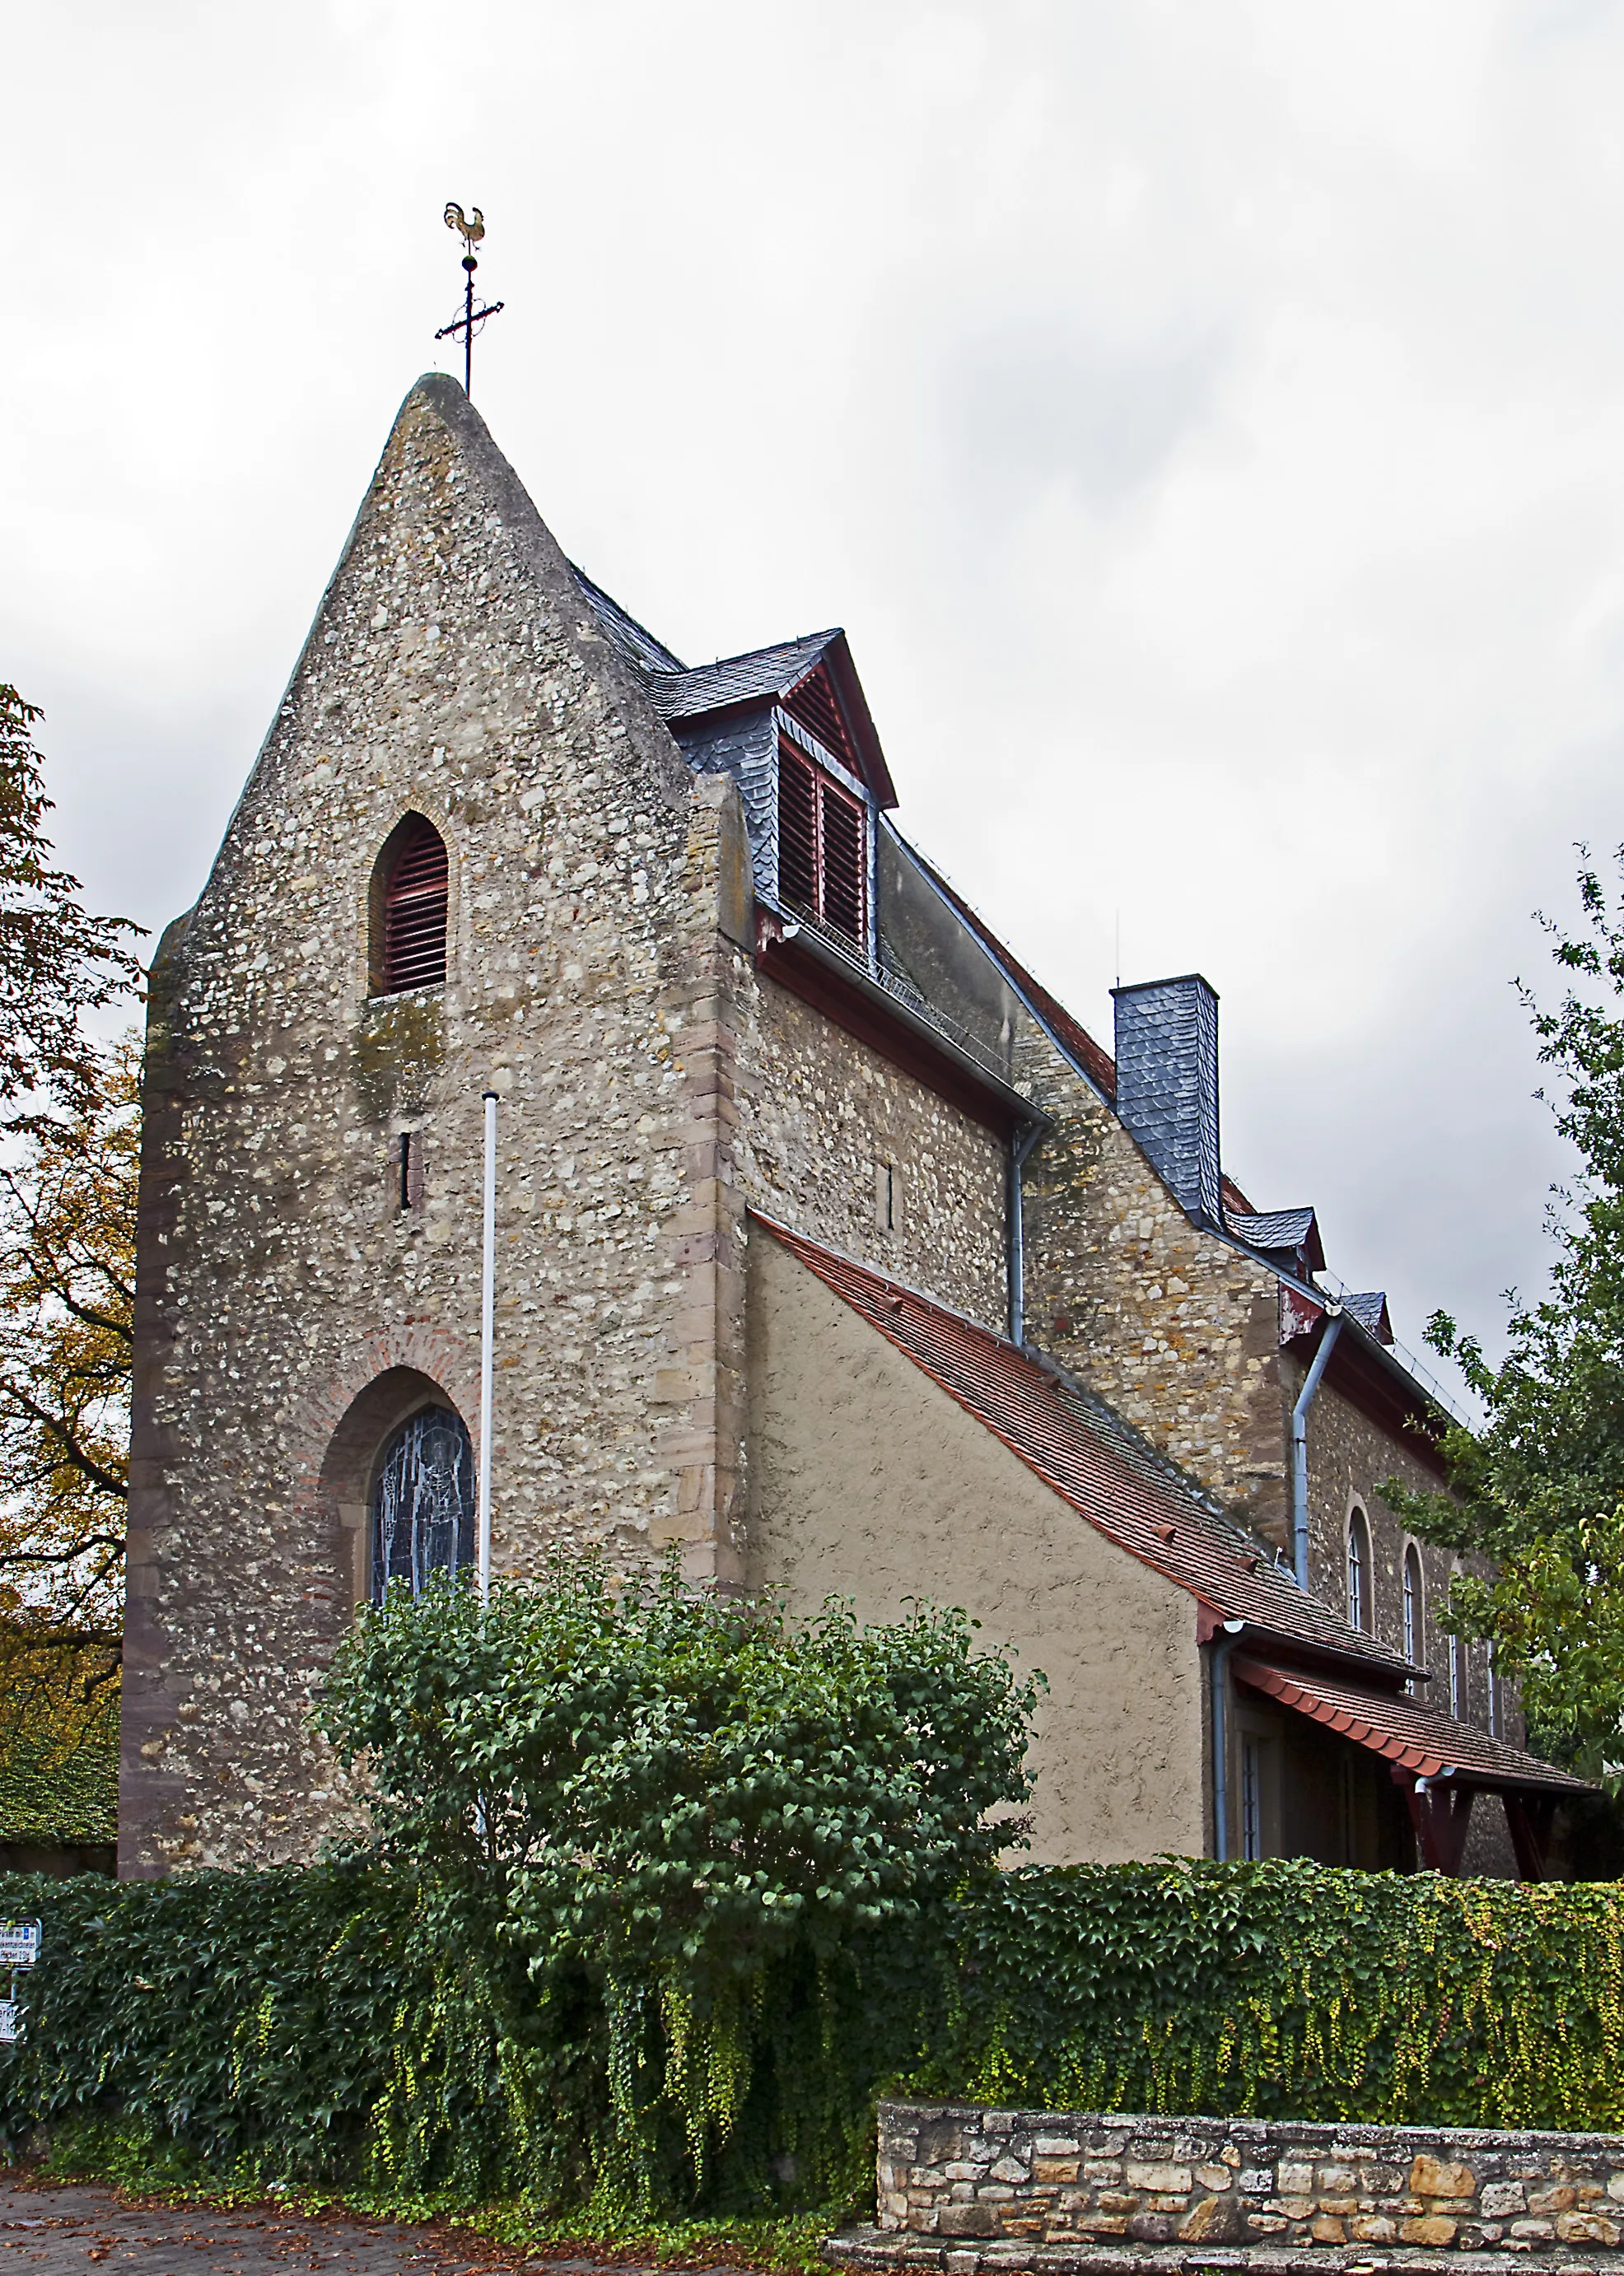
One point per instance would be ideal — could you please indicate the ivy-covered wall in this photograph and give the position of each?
(299, 2022)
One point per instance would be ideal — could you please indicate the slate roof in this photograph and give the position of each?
(1369, 1308)
(634, 641)
(765, 672)
(1410, 1736)
(1085, 1454)
(1271, 1228)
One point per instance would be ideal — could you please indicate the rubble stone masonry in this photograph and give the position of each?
(1175, 1327)
(959, 2179)
(289, 1308)
(839, 1145)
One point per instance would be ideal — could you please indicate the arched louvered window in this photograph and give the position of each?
(422, 1504)
(823, 848)
(410, 924)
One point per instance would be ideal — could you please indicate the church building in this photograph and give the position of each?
(830, 1250)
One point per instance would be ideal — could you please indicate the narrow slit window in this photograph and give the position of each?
(823, 848)
(1251, 1800)
(416, 896)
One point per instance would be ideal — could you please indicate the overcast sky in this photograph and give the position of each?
(1207, 420)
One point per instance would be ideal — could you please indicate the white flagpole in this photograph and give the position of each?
(487, 1354)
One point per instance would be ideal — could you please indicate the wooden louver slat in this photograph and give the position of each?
(823, 848)
(797, 833)
(414, 911)
(843, 862)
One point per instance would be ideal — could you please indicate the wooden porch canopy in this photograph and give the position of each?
(1441, 1764)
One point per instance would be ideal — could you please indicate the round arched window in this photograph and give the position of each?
(1358, 1569)
(422, 1505)
(1414, 1605)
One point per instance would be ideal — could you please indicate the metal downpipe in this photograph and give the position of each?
(1021, 1145)
(1218, 1674)
(1300, 1444)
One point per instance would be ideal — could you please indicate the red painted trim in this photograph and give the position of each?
(850, 1009)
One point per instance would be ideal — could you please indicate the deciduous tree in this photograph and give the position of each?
(57, 961)
(1539, 1489)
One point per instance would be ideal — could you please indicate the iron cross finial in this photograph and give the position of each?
(471, 227)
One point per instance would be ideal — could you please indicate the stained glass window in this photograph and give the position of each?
(423, 1506)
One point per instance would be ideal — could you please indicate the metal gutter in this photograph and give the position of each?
(795, 933)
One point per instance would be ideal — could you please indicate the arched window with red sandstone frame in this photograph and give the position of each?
(410, 896)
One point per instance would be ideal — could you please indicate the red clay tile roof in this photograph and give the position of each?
(1090, 1458)
(1414, 1737)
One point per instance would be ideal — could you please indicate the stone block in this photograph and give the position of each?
(1587, 2228)
(1152, 2227)
(1215, 2177)
(1562, 2199)
(1500, 2199)
(1214, 2220)
(1176, 2180)
(1615, 2185)
(1372, 2228)
(1430, 2177)
(1434, 2228)
(1293, 2179)
(1533, 2232)
(1009, 2169)
(1257, 2181)
(1056, 2146)
(1055, 2169)
(1325, 2230)
(967, 2220)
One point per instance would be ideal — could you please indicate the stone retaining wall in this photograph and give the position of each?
(1047, 2178)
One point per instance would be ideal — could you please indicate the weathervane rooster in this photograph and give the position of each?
(471, 228)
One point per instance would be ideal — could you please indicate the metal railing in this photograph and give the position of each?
(1456, 1402)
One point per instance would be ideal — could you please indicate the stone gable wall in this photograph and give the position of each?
(453, 671)
(1046, 2177)
(821, 1114)
(1174, 1328)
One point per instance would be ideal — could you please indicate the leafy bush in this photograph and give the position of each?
(719, 1841)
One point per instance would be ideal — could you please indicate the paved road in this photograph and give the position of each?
(74, 2232)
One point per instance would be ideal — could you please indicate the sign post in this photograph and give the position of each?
(19, 1948)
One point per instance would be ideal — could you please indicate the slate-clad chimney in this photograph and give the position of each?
(1167, 1084)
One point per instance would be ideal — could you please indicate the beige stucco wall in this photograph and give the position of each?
(867, 1481)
